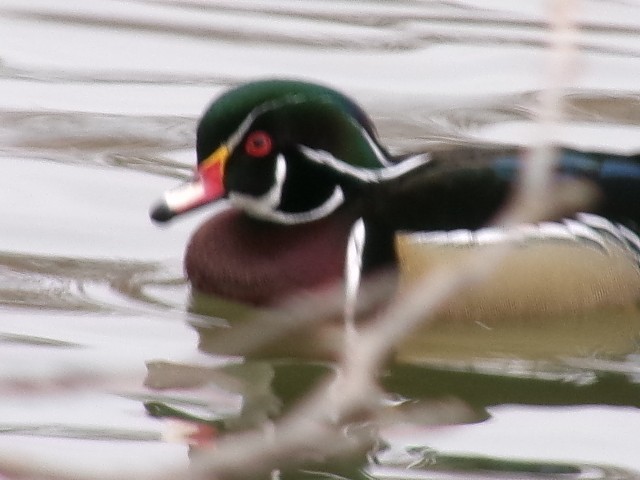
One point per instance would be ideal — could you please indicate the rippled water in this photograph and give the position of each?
(98, 107)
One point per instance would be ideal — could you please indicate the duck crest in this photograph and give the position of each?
(228, 118)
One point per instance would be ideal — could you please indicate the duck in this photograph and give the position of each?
(304, 175)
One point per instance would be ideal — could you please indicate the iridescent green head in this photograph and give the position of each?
(282, 151)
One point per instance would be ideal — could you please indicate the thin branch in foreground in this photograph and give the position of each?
(317, 423)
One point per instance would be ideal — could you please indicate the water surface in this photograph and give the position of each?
(97, 115)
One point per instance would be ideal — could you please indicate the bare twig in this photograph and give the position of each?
(353, 394)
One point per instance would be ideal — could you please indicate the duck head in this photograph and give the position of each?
(282, 151)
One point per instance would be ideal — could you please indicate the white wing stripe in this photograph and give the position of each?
(599, 232)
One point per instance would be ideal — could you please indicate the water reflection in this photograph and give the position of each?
(426, 398)
(428, 387)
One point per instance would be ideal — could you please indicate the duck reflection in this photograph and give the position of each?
(428, 388)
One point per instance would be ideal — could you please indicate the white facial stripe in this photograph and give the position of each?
(382, 158)
(329, 206)
(266, 205)
(262, 206)
(323, 157)
(235, 137)
(245, 202)
(298, 98)
(395, 170)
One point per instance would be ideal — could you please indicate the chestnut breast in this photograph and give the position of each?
(239, 258)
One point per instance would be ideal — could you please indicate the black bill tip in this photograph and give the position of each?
(161, 212)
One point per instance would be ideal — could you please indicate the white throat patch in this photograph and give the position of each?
(265, 207)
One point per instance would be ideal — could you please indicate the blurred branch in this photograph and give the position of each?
(317, 425)
(537, 197)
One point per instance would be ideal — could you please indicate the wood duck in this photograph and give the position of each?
(301, 164)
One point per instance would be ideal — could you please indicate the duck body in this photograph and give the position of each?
(301, 163)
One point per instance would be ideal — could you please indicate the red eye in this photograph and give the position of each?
(258, 144)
